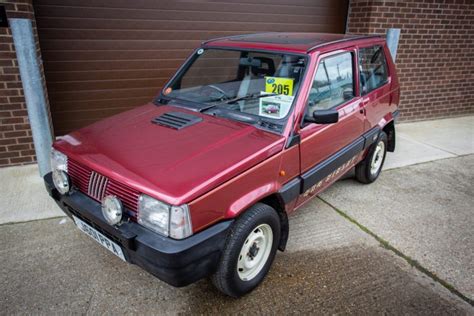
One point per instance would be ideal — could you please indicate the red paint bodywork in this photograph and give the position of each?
(221, 167)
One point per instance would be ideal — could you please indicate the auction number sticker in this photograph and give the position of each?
(279, 85)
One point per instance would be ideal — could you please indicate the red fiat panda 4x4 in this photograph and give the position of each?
(201, 181)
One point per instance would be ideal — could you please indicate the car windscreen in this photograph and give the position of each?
(260, 84)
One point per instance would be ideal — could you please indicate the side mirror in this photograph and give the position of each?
(324, 117)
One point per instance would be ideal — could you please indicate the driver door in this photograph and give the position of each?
(334, 87)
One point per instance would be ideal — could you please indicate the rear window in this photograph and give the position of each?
(373, 68)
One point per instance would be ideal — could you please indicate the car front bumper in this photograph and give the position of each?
(176, 262)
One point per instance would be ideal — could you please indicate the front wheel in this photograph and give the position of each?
(368, 170)
(249, 252)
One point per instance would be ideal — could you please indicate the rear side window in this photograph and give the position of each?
(373, 68)
(333, 83)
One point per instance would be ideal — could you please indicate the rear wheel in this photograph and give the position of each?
(368, 170)
(249, 252)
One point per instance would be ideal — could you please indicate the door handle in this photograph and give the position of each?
(362, 107)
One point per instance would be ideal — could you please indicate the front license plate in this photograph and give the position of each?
(100, 238)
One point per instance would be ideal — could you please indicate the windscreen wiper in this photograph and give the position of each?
(235, 100)
(249, 97)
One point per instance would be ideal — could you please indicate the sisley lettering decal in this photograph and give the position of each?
(330, 177)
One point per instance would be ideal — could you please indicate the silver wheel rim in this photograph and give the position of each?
(255, 252)
(377, 158)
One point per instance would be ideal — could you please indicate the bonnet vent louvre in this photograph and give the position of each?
(176, 120)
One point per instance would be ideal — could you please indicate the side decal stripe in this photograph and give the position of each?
(292, 189)
(322, 170)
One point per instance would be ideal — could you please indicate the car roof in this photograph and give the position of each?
(294, 42)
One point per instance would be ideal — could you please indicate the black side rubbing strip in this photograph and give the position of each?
(325, 168)
(176, 120)
(291, 190)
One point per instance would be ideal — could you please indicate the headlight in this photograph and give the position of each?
(173, 221)
(59, 168)
(61, 181)
(58, 160)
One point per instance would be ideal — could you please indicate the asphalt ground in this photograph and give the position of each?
(403, 245)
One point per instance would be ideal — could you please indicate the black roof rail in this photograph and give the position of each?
(342, 40)
(233, 37)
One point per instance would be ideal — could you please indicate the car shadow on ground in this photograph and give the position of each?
(345, 280)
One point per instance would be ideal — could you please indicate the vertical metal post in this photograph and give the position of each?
(393, 35)
(30, 74)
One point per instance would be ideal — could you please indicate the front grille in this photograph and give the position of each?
(128, 196)
(80, 175)
(96, 186)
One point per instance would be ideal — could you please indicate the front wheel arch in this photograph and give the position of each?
(276, 202)
(272, 199)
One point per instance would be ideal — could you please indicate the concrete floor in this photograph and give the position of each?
(332, 264)
(419, 142)
(330, 267)
(23, 196)
(425, 211)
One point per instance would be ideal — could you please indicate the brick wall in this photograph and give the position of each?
(435, 58)
(16, 143)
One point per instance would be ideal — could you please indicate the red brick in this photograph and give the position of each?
(9, 92)
(20, 127)
(8, 141)
(4, 114)
(18, 147)
(25, 140)
(21, 160)
(22, 113)
(16, 99)
(29, 152)
(5, 128)
(15, 134)
(11, 106)
(9, 154)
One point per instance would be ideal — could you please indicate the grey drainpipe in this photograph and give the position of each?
(393, 36)
(31, 79)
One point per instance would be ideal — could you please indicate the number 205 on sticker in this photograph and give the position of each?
(279, 85)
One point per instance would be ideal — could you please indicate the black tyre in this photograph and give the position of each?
(368, 170)
(249, 251)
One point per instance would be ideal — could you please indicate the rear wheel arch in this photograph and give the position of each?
(389, 129)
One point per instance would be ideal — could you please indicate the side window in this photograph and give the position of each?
(373, 68)
(333, 83)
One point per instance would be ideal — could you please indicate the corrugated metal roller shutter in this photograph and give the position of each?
(102, 57)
